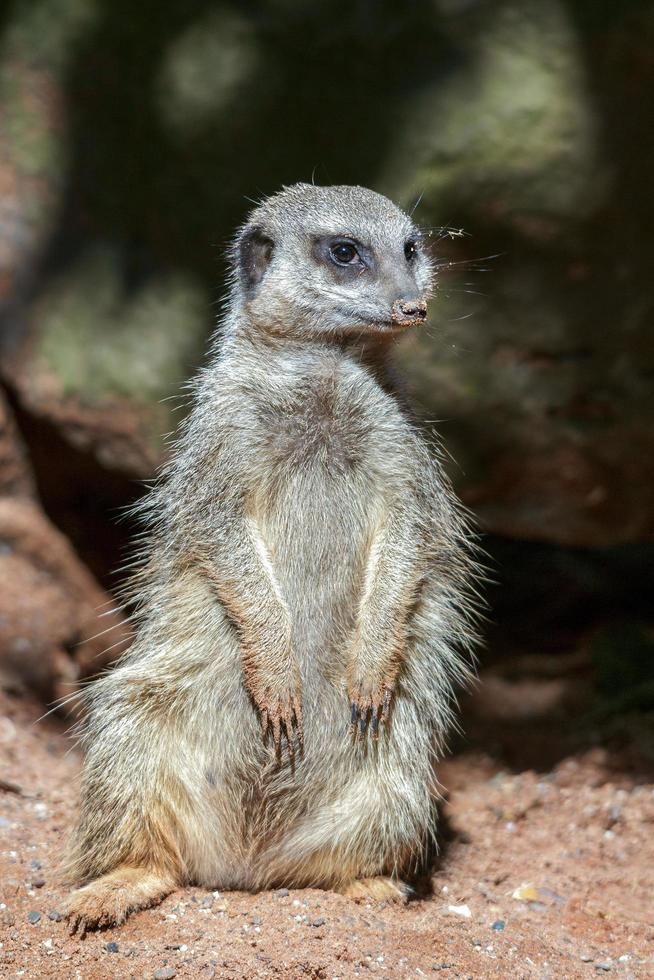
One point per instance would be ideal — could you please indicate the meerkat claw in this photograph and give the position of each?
(368, 712)
(299, 724)
(283, 719)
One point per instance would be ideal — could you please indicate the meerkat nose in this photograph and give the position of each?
(409, 311)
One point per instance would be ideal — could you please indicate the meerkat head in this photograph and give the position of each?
(331, 261)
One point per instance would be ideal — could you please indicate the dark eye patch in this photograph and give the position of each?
(343, 254)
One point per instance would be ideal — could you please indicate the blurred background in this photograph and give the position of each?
(133, 137)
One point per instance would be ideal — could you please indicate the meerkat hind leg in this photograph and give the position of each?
(378, 889)
(108, 900)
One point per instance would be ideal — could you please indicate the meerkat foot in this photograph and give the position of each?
(378, 889)
(110, 899)
(282, 715)
(369, 710)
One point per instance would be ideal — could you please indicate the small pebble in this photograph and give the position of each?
(256, 920)
(36, 865)
(603, 966)
(165, 973)
(38, 883)
(614, 814)
(55, 916)
(320, 921)
(33, 917)
(111, 947)
(586, 958)
(525, 893)
(498, 925)
(282, 893)
(207, 902)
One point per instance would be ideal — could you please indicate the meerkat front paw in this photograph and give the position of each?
(110, 899)
(369, 707)
(281, 713)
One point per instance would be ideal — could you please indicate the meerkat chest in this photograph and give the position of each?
(313, 440)
(325, 461)
(330, 430)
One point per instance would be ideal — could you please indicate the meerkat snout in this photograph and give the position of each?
(407, 312)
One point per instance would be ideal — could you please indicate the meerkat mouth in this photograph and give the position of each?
(385, 323)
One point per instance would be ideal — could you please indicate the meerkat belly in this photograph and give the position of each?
(316, 533)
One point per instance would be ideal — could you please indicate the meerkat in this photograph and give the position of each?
(304, 599)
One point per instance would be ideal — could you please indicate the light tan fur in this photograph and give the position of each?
(303, 597)
(379, 889)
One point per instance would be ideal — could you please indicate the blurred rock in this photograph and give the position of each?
(205, 69)
(81, 348)
(544, 385)
(15, 476)
(520, 700)
(97, 360)
(512, 128)
(56, 624)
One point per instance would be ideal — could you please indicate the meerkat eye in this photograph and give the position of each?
(344, 253)
(410, 250)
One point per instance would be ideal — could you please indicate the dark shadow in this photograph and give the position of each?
(86, 501)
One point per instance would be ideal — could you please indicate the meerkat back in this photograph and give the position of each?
(303, 606)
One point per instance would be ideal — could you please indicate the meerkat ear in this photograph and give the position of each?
(255, 249)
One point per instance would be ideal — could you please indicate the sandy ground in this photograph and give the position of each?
(542, 874)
